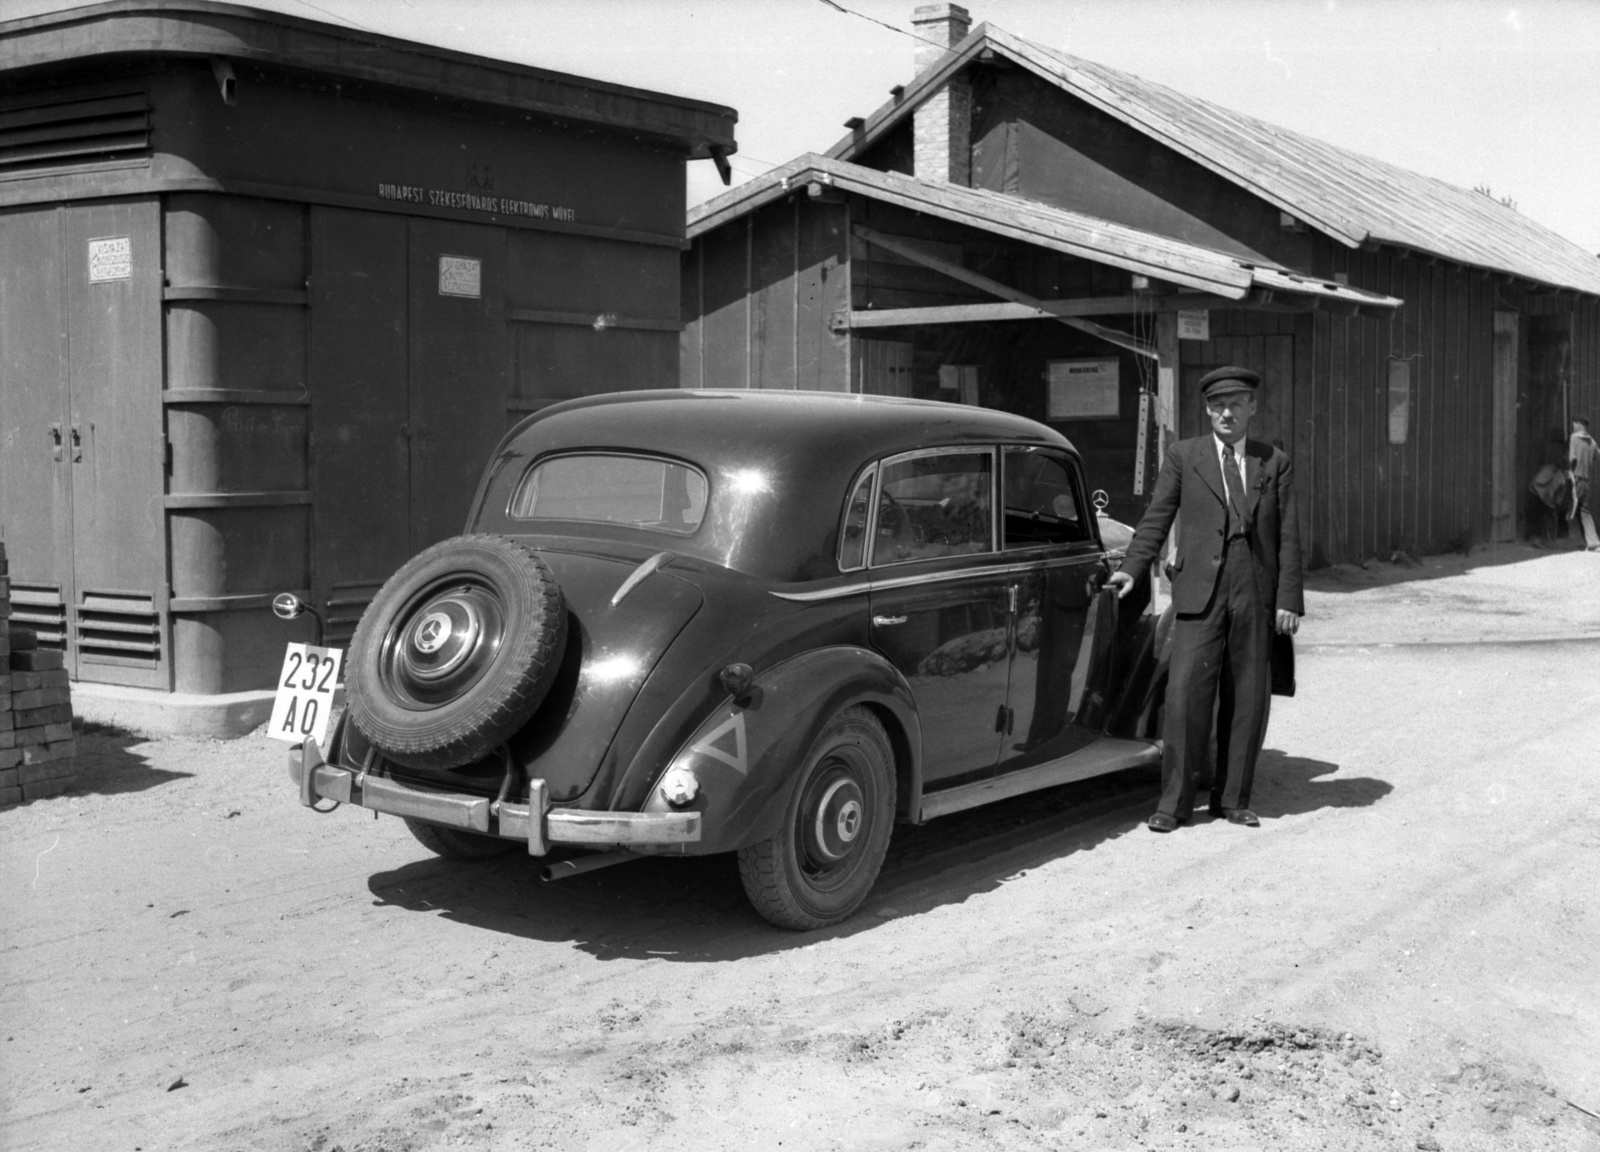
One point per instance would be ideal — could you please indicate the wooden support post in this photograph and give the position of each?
(1167, 376)
(1169, 380)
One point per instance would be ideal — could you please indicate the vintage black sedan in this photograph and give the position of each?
(758, 622)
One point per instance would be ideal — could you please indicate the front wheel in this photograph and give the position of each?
(820, 865)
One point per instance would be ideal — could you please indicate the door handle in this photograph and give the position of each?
(77, 445)
(886, 621)
(55, 442)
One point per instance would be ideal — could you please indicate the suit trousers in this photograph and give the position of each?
(1221, 663)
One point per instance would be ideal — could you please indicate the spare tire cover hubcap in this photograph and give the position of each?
(445, 646)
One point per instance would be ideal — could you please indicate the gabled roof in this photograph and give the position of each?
(1031, 222)
(1355, 199)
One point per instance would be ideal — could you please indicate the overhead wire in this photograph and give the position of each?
(837, 7)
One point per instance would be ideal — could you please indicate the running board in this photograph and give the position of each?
(1105, 755)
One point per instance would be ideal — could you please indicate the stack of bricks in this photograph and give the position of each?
(37, 751)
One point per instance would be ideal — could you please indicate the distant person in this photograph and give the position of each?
(1580, 467)
(1551, 487)
(1235, 578)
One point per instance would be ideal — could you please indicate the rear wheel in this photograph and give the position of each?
(819, 866)
(457, 845)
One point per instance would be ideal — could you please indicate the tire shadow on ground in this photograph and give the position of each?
(693, 909)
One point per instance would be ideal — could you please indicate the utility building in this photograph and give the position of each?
(1027, 230)
(271, 290)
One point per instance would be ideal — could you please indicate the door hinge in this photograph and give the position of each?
(1012, 595)
(1003, 720)
(166, 452)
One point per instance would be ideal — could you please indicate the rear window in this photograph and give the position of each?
(609, 488)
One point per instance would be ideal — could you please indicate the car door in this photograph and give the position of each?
(941, 603)
(1061, 640)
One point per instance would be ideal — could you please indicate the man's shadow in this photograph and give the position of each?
(1288, 785)
(693, 909)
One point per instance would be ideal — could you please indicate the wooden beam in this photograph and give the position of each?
(956, 272)
(1052, 309)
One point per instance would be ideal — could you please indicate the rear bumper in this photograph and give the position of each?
(533, 821)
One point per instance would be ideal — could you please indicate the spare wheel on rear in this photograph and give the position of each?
(456, 651)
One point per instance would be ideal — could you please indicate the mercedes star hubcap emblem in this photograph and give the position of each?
(433, 632)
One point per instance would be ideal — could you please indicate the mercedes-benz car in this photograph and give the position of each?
(764, 623)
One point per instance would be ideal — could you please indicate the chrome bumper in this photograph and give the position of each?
(534, 821)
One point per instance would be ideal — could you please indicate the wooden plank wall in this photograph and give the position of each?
(758, 297)
(1360, 495)
(759, 294)
(1433, 492)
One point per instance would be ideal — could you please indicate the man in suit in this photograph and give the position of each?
(1235, 578)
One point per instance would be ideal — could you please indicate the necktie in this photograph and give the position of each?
(1235, 487)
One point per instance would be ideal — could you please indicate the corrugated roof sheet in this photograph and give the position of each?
(1030, 222)
(1354, 198)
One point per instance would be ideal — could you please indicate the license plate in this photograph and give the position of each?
(306, 684)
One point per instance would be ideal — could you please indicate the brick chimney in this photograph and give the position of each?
(943, 122)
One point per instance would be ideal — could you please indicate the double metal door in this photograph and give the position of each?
(409, 385)
(82, 451)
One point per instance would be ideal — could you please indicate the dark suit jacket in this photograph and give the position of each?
(1191, 484)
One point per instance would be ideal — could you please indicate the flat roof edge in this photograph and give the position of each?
(209, 28)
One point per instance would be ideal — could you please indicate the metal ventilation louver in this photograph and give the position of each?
(119, 628)
(70, 132)
(39, 608)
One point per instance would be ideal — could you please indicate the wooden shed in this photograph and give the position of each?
(1413, 426)
(270, 291)
(828, 275)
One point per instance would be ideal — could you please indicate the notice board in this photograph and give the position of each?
(1083, 389)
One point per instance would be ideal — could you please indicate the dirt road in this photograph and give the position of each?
(1402, 956)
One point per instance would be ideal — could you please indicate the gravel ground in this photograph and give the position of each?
(1401, 957)
(1511, 592)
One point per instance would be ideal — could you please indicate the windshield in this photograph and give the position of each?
(611, 488)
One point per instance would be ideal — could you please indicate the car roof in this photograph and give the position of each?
(801, 449)
(698, 424)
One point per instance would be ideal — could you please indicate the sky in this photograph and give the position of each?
(1504, 96)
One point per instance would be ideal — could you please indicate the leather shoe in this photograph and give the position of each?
(1243, 816)
(1161, 822)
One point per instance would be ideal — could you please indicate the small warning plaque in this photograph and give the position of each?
(110, 258)
(305, 693)
(460, 276)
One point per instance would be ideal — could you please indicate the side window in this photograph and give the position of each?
(853, 527)
(1043, 504)
(934, 504)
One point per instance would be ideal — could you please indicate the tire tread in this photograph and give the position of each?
(761, 865)
(505, 700)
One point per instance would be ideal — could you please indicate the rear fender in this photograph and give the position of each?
(746, 753)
